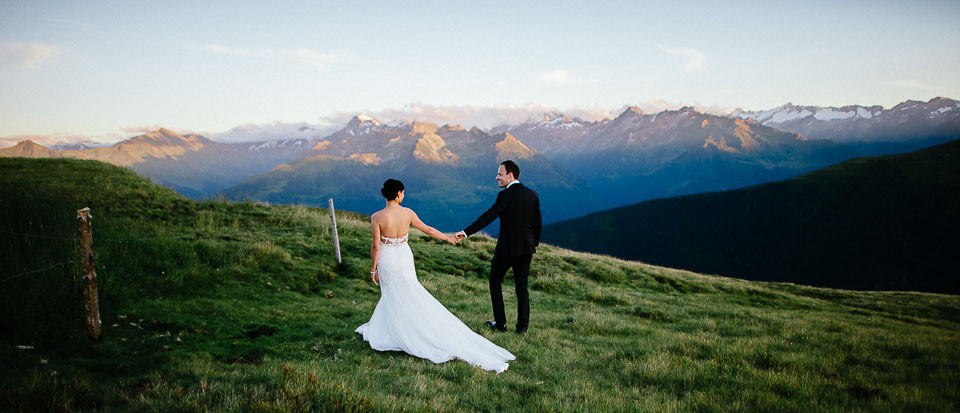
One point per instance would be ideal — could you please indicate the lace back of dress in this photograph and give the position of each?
(393, 242)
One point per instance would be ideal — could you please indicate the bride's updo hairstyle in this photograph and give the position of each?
(391, 187)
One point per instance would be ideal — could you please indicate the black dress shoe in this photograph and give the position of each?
(493, 325)
(521, 331)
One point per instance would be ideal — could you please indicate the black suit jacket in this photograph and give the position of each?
(518, 208)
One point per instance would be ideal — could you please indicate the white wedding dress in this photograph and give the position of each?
(409, 319)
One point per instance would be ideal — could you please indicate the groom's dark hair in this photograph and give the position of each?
(391, 187)
(511, 168)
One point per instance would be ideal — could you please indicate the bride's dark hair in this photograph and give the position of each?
(391, 187)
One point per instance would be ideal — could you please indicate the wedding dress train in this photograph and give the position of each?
(407, 317)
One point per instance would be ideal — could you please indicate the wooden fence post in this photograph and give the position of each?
(91, 303)
(336, 238)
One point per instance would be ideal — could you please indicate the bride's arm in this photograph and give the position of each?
(431, 231)
(374, 248)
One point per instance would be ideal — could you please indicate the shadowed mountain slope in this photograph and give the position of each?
(886, 222)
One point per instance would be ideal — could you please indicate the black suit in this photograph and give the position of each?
(518, 208)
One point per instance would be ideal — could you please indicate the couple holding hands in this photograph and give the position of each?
(408, 318)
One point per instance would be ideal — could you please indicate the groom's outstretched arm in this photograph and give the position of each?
(487, 217)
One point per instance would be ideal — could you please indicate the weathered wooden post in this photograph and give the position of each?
(336, 238)
(90, 301)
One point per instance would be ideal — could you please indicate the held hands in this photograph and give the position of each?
(456, 238)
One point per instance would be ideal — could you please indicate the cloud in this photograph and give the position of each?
(484, 117)
(28, 55)
(911, 84)
(312, 57)
(49, 140)
(489, 116)
(693, 59)
(252, 132)
(481, 116)
(8, 141)
(142, 129)
(102, 139)
(308, 57)
(659, 105)
(558, 77)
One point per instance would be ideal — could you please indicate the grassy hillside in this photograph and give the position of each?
(886, 222)
(239, 307)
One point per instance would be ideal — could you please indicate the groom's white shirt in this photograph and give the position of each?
(515, 181)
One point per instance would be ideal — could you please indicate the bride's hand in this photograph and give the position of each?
(373, 276)
(451, 239)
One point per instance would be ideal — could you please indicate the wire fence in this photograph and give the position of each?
(41, 270)
(170, 237)
(154, 238)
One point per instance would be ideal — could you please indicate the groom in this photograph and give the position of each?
(518, 208)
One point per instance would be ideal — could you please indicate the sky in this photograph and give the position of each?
(109, 70)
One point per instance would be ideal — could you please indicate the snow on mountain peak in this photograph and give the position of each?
(790, 112)
(275, 144)
(830, 114)
(80, 145)
(363, 120)
(361, 125)
(560, 121)
(780, 114)
(941, 111)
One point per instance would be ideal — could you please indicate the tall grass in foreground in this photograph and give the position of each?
(240, 307)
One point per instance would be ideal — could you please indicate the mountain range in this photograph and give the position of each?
(191, 164)
(449, 172)
(578, 166)
(886, 222)
(639, 156)
(911, 121)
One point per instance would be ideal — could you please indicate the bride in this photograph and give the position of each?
(407, 317)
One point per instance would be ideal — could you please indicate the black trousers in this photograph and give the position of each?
(521, 269)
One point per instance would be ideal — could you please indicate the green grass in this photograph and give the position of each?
(240, 307)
